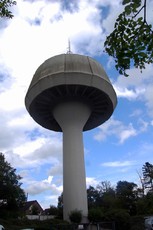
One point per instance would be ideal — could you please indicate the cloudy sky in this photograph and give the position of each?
(114, 151)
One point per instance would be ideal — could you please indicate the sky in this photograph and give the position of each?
(114, 151)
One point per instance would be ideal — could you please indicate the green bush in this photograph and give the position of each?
(75, 216)
(17, 224)
(121, 218)
(95, 215)
(137, 223)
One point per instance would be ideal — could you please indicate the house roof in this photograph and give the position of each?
(28, 204)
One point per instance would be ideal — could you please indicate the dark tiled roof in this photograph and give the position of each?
(28, 204)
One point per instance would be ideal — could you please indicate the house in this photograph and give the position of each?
(33, 211)
(32, 208)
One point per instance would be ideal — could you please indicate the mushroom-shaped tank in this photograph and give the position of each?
(70, 77)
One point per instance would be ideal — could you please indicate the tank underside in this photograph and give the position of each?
(42, 106)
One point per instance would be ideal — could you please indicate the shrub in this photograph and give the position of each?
(95, 215)
(137, 223)
(75, 216)
(121, 218)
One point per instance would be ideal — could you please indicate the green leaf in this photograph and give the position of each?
(124, 2)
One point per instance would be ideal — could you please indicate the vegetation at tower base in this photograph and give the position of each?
(53, 210)
(75, 216)
(11, 194)
(126, 204)
(60, 206)
(131, 42)
(5, 8)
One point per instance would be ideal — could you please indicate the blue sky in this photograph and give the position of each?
(114, 151)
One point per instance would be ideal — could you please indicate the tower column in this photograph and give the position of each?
(72, 116)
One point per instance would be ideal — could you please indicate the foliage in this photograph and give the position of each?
(121, 218)
(141, 206)
(148, 203)
(11, 194)
(104, 186)
(137, 223)
(18, 224)
(60, 201)
(4, 8)
(131, 42)
(75, 216)
(93, 197)
(102, 195)
(60, 206)
(127, 194)
(120, 204)
(53, 210)
(147, 170)
(95, 215)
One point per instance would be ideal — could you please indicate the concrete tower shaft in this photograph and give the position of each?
(72, 116)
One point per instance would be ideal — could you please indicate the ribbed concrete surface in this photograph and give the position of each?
(69, 77)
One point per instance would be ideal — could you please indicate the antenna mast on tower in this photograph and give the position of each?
(69, 47)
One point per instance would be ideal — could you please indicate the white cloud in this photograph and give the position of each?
(56, 169)
(138, 86)
(129, 93)
(48, 180)
(50, 200)
(136, 113)
(107, 22)
(118, 164)
(143, 125)
(104, 129)
(127, 133)
(115, 128)
(121, 131)
(91, 181)
(37, 187)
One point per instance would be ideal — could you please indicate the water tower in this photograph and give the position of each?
(71, 93)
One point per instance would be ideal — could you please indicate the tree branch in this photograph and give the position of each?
(145, 10)
(138, 12)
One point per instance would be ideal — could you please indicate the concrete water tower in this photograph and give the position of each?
(71, 93)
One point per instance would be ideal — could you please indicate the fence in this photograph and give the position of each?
(96, 226)
(39, 217)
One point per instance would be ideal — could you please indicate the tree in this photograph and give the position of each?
(141, 190)
(60, 201)
(53, 210)
(104, 186)
(60, 206)
(121, 218)
(106, 195)
(4, 8)
(95, 215)
(131, 42)
(93, 197)
(11, 194)
(102, 196)
(126, 192)
(147, 170)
